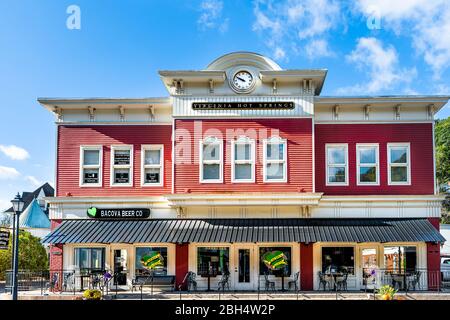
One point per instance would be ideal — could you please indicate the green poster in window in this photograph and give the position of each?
(153, 261)
(274, 260)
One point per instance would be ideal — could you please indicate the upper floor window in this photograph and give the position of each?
(367, 157)
(399, 171)
(91, 166)
(152, 170)
(337, 164)
(121, 165)
(243, 160)
(275, 164)
(211, 160)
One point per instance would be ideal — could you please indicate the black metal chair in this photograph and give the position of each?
(414, 280)
(224, 282)
(341, 282)
(323, 281)
(189, 281)
(294, 282)
(268, 285)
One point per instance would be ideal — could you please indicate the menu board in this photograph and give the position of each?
(122, 157)
(152, 177)
(90, 176)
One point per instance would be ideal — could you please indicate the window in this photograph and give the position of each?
(152, 170)
(213, 260)
(338, 259)
(211, 160)
(90, 258)
(367, 158)
(400, 259)
(399, 167)
(121, 166)
(275, 166)
(263, 251)
(337, 164)
(156, 257)
(91, 166)
(243, 160)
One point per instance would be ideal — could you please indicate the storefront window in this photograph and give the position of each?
(90, 258)
(157, 257)
(265, 269)
(338, 259)
(399, 259)
(212, 260)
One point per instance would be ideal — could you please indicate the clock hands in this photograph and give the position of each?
(240, 79)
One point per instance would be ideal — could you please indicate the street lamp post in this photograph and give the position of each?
(17, 203)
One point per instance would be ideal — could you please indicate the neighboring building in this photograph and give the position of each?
(34, 217)
(242, 159)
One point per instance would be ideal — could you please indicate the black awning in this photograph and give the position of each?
(244, 230)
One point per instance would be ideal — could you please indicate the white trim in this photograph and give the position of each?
(172, 187)
(129, 166)
(243, 140)
(371, 121)
(436, 187)
(335, 145)
(408, 163)
(376, 164)
(273, 140)
(81, 166)
(214, 140)
(159, 166)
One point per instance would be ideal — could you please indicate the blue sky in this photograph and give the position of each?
(369, 47)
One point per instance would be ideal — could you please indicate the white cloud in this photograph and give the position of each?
(7, 173)
(211, 12)
(279, 53)
(293, 24)
(14, 152)
(318, 48)
(33, 180)
(380, 63)
(4, 205)
(427, 22)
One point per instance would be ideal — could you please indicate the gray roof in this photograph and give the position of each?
(244, 230)
(28, 197)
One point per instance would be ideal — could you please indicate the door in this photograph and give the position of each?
(120, 267)
(243, 278)
(369, 265)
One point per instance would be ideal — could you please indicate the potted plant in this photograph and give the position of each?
(92, 295)
(386, 292)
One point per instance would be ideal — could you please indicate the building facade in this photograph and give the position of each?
(240, 160)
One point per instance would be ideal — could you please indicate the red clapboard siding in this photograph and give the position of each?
(298, 133)
(70, 138)
(419, 135)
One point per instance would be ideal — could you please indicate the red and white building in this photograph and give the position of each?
(243, 158)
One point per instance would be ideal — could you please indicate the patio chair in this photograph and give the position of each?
(69, 281)
(267, 283)
(341, 282)
(224, 282)
(324, 281)
(294, 282)
(189, 281)
(54, 282)
(414, 280)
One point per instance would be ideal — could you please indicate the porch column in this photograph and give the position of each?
(434, 260)
(181, 262)
(306, 267)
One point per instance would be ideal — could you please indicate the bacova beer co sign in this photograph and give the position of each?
(97, 213)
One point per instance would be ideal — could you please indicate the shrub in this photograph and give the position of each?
(92, 294)
(387, 292)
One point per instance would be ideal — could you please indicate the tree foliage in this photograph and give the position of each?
(442, 138)
(32, 254)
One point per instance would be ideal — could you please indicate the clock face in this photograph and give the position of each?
(242, 80)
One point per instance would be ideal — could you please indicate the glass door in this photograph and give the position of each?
(120, 267)
(243, 269)
(369, 262)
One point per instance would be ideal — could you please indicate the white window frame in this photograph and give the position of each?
(160, 166)
(407, 165)
(130, 166)
(82, 167)
(327, 165)
(272, 140)
(243, 140)
(376, 164)
(202, 162)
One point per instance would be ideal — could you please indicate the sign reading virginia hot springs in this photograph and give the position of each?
(97, 213)
(242, 105)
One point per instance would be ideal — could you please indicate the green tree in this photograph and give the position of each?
(32, 254)
(442, 138)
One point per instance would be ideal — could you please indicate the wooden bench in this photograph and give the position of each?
(155, 281)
